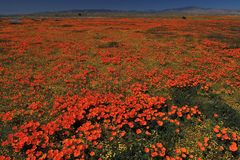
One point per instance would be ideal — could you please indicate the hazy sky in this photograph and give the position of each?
(28, 6)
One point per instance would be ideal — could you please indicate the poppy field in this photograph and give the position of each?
(120, 88)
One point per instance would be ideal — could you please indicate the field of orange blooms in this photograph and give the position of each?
(119, 88)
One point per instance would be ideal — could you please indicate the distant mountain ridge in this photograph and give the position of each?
(191, 10)
(199, 10)
(182, 9)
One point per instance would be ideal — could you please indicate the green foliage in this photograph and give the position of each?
(112, 44)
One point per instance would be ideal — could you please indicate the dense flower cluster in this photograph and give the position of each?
(117, 88)
(85, 121)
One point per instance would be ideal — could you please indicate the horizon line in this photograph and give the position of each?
(122, 10)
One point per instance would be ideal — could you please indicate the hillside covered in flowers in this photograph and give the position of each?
(119, 88)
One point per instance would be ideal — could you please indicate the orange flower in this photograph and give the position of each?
(153, 146)
(201, 146)
(233, 147)
(177, 130)
(76, 153)
(99, 146)
(225, 137)
(221, 148)
(146, 150)
(138, 131)
(224, 131)
(147, 133)
(216, 129)
(206, 139)
(92, 153)
(154, 154)
(234, 136)
(130, 124)
(160, 123)
(178, 151)
(188, 117)
(162, 154)
(219, 135)
(159, 145)
(122, 134)
(114, 133)
(184, 155)
(184, 150)
(111, 138)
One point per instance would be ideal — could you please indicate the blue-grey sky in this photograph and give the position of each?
(29, 6)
